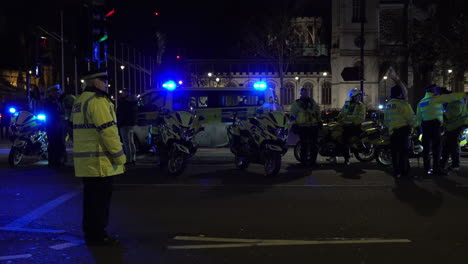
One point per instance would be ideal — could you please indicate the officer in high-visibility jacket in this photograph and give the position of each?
(351, 117)
(98, 155)
(306, 113)
(429, 115)
(455, 121)
(399, 118)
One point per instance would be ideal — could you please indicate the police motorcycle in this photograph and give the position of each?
(330, 142)
(172, 139)
(28, 136)
(260, 139)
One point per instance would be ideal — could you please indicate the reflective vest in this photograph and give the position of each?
(97, 150)
(456, 115)
(307, 112)
(398, 113)
(352, 113)
(431, 106)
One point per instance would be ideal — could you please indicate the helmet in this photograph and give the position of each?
(396, 91)
(354, 92)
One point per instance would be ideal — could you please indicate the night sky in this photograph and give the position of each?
(200, 29)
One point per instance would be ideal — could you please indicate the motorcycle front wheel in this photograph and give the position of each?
(384, 157)
(366, 153)
(272, 163)
(176, 163)
(297, 151)
(15, 157)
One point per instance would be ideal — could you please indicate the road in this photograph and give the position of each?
(215, 213)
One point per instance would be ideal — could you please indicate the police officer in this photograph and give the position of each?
(98, 155)
(351, 117)
(399, 118)
(429, 115)
(55, 127)
(306, 113)
(455, 121)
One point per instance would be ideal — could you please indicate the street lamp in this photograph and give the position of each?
(209, 78)
(385, 90)
(122, 67)
(82, 81)
(450, 79)
(217, 81)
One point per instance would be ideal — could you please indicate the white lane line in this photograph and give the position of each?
(269, 242)
(15, 256)
(64, 245)
(274, 185)
(31, 230)
(33, 215)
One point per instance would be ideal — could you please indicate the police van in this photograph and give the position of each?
(216, 106)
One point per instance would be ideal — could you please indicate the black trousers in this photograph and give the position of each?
(399, 145)
(309, 147)
(56, 144)
(431, 140)
(97, 194)
(452, 147)
(349, 132)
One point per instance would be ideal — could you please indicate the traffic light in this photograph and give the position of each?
(99, 32)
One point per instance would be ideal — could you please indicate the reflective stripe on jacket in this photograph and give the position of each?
(431, 106)
(352, 113)
(456, 115)
(307, 112)
(97, 149)
(398, 113)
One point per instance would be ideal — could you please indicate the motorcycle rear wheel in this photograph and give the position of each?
(366, 154)
(272, 164)
(384, 157)
(241, 162)
(15, 157)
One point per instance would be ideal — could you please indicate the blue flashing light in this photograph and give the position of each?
(12, 110)
(41, 117)
(260, 86)
(170, 85)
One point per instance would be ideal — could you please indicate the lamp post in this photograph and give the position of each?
(450, 78)
(324, 74)
(217, 81)
(209, 78)
(385, 87)
(122, 67)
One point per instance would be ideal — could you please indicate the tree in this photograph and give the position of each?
(273, 36)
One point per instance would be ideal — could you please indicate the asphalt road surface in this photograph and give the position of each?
(215, 213)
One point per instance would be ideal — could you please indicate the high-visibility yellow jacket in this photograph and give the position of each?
(97, 150)
(352, 113)
(456, 115)
(431, 106)
(307, 112)
(398, 113)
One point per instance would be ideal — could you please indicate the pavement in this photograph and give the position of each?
(214, 213)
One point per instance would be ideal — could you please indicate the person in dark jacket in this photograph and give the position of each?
(55, 128)
(127, 111)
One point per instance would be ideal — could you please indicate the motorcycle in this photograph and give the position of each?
(28, 136)
(384, 154)
(172, 139)
(260, 139)
(330, 142)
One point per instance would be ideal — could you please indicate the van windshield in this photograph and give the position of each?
(218, 99)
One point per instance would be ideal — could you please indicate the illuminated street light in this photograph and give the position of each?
(449, 71)
(325, 73)
(120, 91)
(217, 79)
(122, 67)
(297, 78)
(385, 77)
(181, 82)
(82, 81)
(30, 72)
(210, 74)
(108, 85)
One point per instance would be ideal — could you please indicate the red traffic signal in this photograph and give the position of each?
(156, 13)
(110, 13)
(178, 57)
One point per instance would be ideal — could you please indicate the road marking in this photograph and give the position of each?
(31, 230)
(15, 256)
(64, 245)
(33, 215)
(275, 242)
